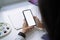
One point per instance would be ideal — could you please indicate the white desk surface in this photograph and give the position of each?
(16, 9)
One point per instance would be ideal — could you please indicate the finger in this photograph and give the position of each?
(36, 19)
(31, 27)
(24, 21)
(38, 22)
(25, 24)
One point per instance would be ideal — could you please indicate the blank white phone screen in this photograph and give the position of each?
(29, 17)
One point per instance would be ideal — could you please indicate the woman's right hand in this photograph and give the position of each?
(39, 24)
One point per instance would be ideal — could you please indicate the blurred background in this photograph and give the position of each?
(9, 2)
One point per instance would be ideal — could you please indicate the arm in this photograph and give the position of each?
(21, 34)
(23, 31)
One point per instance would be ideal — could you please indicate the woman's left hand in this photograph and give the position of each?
(26, 28)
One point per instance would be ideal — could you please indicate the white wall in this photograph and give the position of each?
(7, 2)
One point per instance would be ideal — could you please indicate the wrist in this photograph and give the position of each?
(23, 31)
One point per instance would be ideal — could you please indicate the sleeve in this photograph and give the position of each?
(45, 37)
(21, 36)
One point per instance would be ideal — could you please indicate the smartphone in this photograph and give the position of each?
(29, 17)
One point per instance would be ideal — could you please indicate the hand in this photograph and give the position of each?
(26, 28)
(38, 22)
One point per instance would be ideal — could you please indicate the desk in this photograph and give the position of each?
(16, 9)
